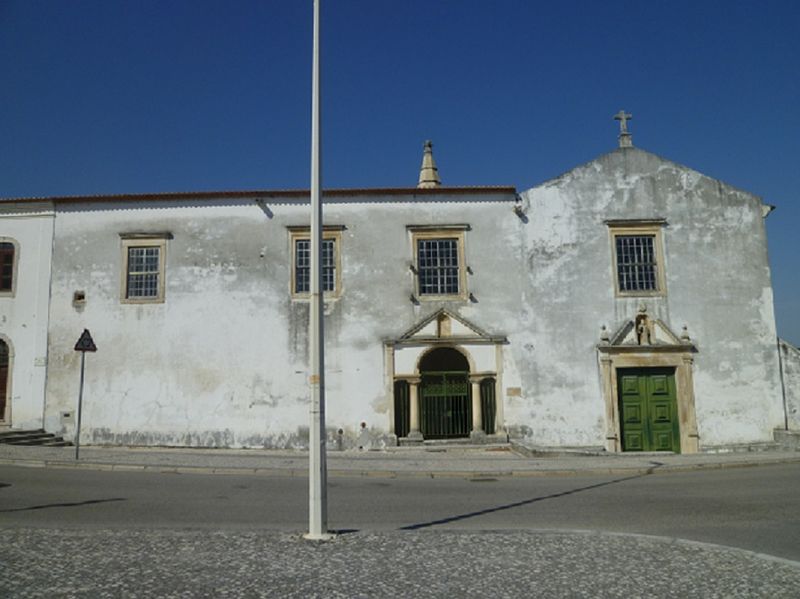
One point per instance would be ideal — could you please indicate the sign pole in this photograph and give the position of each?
(84, 344)
(80, 402)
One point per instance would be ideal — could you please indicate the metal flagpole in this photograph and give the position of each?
(317, 468)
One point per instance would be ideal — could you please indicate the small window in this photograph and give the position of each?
(7, 267)
(438, 266)
(143, 269)
(439, 262)
(638, 261)
(301, 262)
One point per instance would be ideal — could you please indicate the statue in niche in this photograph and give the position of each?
(643, 333)
(443, 326)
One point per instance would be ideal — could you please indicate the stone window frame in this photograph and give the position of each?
(14, 267)
(639, 228)
(144, 240)
(455, 232)
(303, 233)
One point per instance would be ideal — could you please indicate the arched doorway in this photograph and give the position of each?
(4, 353)
(444, 404)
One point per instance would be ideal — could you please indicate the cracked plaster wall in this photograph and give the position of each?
(23, 314)
(790, 358)
(223, 361)
(717, 284)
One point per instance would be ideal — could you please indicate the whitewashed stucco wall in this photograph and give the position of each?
(23, 314)
(223, 361)
(790, 365)
(717, 280)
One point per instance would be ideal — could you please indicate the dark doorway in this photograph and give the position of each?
(445, 403)
(402, 409)
(3, 378)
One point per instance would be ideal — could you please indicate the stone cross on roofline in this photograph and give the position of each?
(625, 138)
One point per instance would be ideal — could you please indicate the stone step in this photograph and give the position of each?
(744, 448)
(31, 438)
(788, 439)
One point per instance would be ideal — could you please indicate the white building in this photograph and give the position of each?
(625, 305)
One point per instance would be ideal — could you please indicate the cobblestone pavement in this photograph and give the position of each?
(188, 563)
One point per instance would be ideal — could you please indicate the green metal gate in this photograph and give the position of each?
(445, 406)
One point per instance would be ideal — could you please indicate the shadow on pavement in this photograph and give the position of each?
(509, 506)
(75, 504)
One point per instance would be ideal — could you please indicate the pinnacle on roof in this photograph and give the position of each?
(428, 173)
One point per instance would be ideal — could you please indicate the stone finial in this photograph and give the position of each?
(428, 173)
(605, 338)
(685, 334)
(625, 138)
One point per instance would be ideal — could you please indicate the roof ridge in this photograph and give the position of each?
(258, 193)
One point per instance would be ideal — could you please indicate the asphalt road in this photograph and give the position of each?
(757, 509)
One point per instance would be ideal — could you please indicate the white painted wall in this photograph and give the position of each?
(718, 285)
(23, 315)
(223, 361)
(790, 358)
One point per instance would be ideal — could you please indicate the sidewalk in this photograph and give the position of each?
(427, 461)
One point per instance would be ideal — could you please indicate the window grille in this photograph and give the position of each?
(437, 266)
(636, 263)
(302, 265)
(6, 266)
(143, 271)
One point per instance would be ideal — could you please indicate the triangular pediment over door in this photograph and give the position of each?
(648, 334)
(445, 327)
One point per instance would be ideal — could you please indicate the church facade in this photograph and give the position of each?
(624, 305)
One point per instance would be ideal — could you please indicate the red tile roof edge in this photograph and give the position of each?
(267, 193)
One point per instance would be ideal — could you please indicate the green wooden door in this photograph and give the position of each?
(648, 410)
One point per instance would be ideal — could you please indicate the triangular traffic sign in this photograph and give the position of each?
(85, 343)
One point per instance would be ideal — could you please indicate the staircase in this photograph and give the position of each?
(32, 437)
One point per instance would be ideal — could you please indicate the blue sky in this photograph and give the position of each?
(110, 96)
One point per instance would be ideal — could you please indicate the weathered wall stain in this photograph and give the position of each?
(223, 360)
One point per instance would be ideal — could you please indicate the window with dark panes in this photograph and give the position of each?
(437, 266)
(302, 265)
(143, 272)
(6, 266)
(636, 263)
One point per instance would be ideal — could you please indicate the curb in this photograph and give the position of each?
(344, 473)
